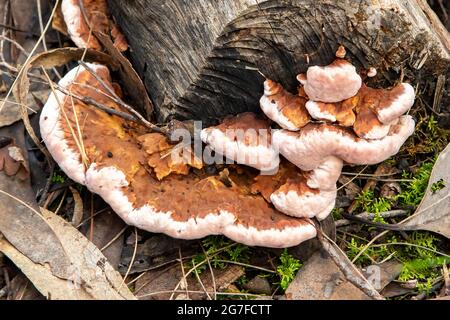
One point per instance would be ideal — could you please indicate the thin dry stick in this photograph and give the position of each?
(411, 245)
(31, 54)
(94, 215)
(132, 258)
(61, 202)
(82, 151)
(91, 229)
(90, 101)
(349, 181)
(349, 270)
(199, 264)
(371, 216)
(202, 285)
(120, 102)
(157, 267)
(14, 42)
(369, 244)
(41, 27)
(182, 271)
(246, 265)
(213, 278)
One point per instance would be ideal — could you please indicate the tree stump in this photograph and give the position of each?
(205, 59)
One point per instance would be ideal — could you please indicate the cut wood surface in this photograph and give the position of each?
(200, 59)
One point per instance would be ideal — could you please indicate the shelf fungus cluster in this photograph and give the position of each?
(279, 180)
(335, 119)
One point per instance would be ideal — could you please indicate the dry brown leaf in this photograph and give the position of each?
(130, 79)
(320, 279)
(11, 111)
(43, 279)
(55, 58)
(433, 213)
(90, 267)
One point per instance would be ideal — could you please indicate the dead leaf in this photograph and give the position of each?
(320, 279)
(56, 58)
(395, 289)
(258, 285)
(433, 213)
(21, 223)
(58, 22)
(107, 225)
(382, 274)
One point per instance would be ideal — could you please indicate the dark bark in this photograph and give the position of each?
(200, 59)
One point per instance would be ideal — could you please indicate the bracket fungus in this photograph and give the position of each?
(111, 157)
(357, 125)
(161, 187)
(84, 17)
(246, 139)
(284, 108)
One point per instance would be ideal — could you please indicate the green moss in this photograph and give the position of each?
(287, 269)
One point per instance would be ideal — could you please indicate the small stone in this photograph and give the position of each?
(258, 285)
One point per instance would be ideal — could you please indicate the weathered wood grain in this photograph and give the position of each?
(200, 59)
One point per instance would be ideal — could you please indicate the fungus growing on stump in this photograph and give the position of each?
(284, 108)
(359, 125)
(245, 139)
(111, 157)
(83, 17)
(161, 187)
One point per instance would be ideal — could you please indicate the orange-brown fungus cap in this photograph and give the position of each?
(284, 108)
(97, 14)
(183, 206)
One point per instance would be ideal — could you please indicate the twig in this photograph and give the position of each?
(356, 176)
(246, 265)
(367, 246)
(213, 278)
(198, 265)
(351, 273)
(363, 217)
(114, 239)
(41, 27)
